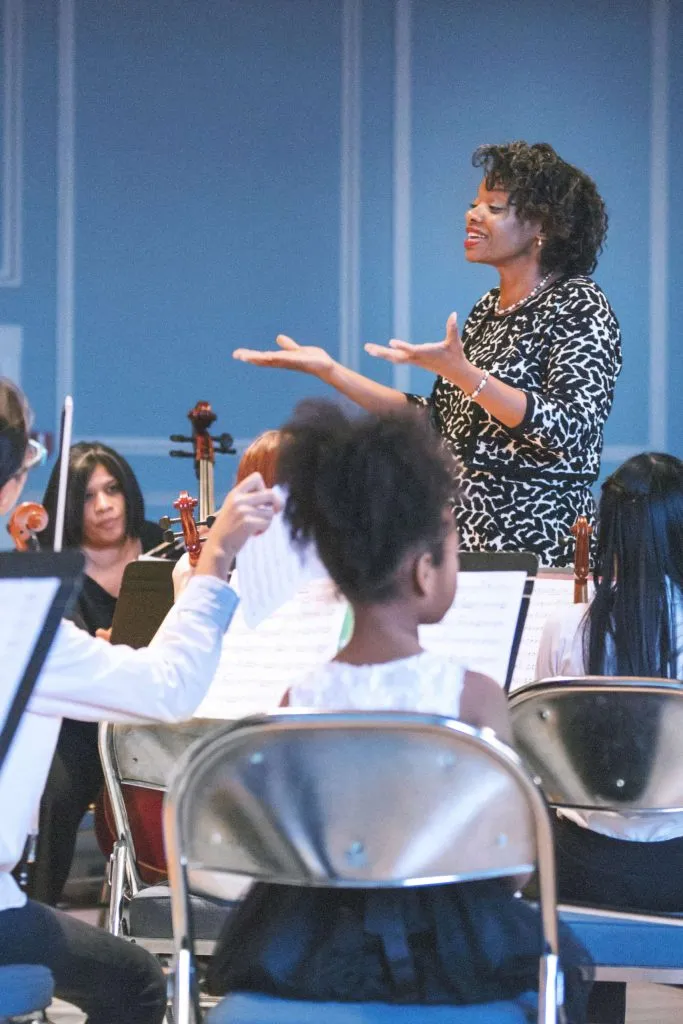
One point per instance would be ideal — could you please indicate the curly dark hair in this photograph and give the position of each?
(546, 188)
(368, 490)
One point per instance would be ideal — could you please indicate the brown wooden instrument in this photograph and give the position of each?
(581, 531)
(144, 805)
(27, 519)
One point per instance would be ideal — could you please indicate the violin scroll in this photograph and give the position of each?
(185, 504)
(28, 519)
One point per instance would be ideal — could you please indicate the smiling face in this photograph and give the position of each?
(494, 234)
(104, 510)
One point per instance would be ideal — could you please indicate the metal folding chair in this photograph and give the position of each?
(381, 799)
(644, 775)
(142, 758)
(25, 991)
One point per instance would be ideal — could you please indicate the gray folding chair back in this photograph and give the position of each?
(612, 745)
(349, 800)
(143, 756)
(604, 743)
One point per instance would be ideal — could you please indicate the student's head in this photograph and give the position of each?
(261, 457)
(15, 454)
(639, 555)
(373, 493)
(104, 504)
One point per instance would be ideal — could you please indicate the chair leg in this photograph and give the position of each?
(117, 875)
(607, 1003)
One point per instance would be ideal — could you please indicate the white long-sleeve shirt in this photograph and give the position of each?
(88, 679)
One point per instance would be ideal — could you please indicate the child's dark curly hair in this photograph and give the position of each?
(546, 188)
(368, 490)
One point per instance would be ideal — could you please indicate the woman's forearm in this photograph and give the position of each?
(367, 393)
(505, 403)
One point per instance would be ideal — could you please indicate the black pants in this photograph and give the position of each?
(618, 873)
(111, 980)
(74, 782)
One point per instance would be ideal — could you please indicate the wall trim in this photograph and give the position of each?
(402, 181)
(350, 184)
(66, 160)
(659, 225)
(13, 144)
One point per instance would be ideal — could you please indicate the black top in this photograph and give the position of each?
(95, 607)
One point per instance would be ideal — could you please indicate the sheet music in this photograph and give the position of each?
(550, 593)
(25, 603)
(479, 628)
(258, 665)
(273, 570)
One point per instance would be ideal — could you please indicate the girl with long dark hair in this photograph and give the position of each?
(632, 627)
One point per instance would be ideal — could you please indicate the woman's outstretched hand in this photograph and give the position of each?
(445, 358)
(290, 356)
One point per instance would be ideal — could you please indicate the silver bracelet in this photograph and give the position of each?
(480, 386)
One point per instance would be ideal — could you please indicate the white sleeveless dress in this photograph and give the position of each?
(424, 682)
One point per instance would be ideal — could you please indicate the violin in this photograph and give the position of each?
(204, 450)
(28, 519)
(581, 532)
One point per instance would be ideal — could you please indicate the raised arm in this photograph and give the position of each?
(88, 679)
(367, 393)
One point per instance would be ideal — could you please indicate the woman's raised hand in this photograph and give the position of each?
(445, 358)
(290, 356)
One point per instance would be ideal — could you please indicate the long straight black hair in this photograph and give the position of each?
(638, 570)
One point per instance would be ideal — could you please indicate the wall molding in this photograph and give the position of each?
(401, 326)
(66, 161)
(350, 184)
(659, 225)
(12, 143)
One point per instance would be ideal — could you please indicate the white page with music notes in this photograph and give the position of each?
(258, 665)
(551, 592)
(25, 604)
(272, 569)
(479, 628)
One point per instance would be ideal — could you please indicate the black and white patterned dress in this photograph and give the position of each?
(523, 487)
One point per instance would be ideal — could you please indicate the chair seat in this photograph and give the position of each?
(24, 988)
(631, 943)
(149, 914)
(248, 1008)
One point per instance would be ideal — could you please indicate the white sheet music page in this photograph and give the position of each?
(551, 591)
(272, 570)
(25, 604)
(259, 665)
(479, 628)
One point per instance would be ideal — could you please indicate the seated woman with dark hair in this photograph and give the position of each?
(105, 518)
(632, 627)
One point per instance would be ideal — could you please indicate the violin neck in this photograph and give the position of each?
(207, 505)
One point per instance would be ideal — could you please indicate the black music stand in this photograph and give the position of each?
(502, 561)
(44, 587)
(145, 598)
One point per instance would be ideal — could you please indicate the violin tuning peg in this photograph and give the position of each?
(169, 536)
(180, 439)
(178, 453)
(165, 523)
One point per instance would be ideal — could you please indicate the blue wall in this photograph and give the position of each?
(182, 178)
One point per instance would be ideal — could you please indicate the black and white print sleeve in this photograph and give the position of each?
(584, 358)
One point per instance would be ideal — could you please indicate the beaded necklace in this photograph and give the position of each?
(499, 310)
